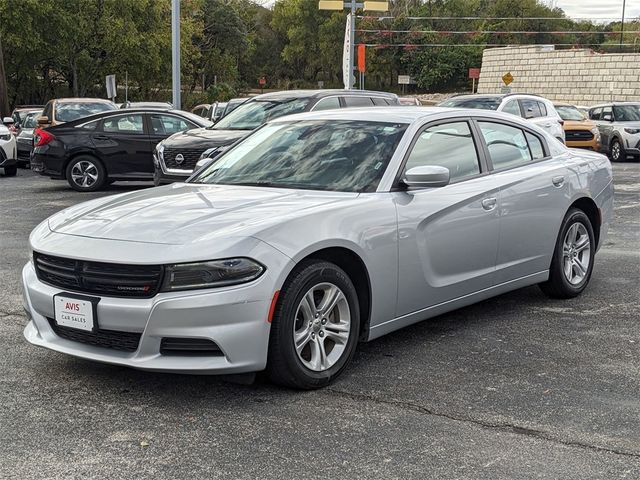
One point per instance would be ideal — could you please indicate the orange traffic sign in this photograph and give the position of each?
(507, 78)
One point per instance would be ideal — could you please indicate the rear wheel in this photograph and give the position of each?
(315, 326)
(618, 153)
(86, 174)
(573, 257)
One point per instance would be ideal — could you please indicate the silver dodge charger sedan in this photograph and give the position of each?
(317, 231)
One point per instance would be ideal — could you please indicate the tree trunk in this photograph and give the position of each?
(4, 96)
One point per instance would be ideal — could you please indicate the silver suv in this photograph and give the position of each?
(619, 125)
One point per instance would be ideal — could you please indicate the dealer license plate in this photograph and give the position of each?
(74, 312)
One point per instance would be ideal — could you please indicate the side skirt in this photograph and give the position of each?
(444, 307)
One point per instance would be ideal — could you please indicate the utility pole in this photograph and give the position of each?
(175, 52)
(352, 6)
(4, 95)
(624, 2)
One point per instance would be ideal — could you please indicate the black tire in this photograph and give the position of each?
(284, 367)
(10, 171)
(558, 286)
(617, 152)
(96, 168)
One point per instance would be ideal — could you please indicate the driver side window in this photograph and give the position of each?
(449, 145)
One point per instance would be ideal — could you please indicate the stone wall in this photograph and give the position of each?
(581, 77)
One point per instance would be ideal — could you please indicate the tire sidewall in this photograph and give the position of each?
(284, 318)
(102, 174)
(574, 216)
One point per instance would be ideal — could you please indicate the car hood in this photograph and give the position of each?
(204, 138)
(184, 213)
(578, 124)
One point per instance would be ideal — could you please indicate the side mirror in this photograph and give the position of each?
(607, 118)
(43, 120)
(8, 120)
(426, 176)
(202, 164)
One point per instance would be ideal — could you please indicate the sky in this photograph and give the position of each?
(594, 9)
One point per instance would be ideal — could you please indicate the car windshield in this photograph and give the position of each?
(337, 155)
(252, 114)
(626, 113)
(31, 120)
(568, 112)
(67, 112)
(483, 103)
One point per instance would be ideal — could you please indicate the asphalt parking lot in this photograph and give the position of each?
(519, 386)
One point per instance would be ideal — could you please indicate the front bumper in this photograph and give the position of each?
(235, 318)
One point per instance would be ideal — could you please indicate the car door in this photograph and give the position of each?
(163, 125)
(447, 236)
(122, 142)
(533, 197)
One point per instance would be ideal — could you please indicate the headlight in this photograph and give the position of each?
(160, 150)
(215, 273)
(632, 131)
(214, 152)
(207, 153)
(4, 136)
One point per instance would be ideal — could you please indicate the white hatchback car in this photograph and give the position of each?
(8, 152)
(536, 109)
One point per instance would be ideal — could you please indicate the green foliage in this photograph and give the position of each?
(220, 92)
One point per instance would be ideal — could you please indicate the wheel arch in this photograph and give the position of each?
(353, 265)
(591, 210)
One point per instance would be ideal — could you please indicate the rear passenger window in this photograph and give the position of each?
(358, 102)
(379, 101)
(329, 103)
(535, 146)
(512, 107)
(507, 145)
(595, 113)
(530, 108)
(543, 109)
(447, 145)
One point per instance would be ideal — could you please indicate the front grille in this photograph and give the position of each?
(123, 341)
(190, 155)
(24, 154)
(110, 279)
(189, 347)
(578, 135)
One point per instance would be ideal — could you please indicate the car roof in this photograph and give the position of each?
(613, 104)
(81, 100)
(293, 94)
(127, 111)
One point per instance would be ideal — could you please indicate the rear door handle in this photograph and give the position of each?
(558, 181)
(489, 203)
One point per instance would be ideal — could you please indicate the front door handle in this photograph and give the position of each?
(489, 203)
(558, 181)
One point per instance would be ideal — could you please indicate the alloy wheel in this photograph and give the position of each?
(576, 253)
(84, 174)
(322, 327)
(615, 151)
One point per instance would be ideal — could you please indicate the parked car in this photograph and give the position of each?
(619, 125)
(213, 111)
(232, 105)
(24, 139)
(175, 158)
(316, 232)
(8, 152)
(20, 113)
(410, 101)
(106, 147)
(162, 105)
(537, 110)
(62, 110)
(579, 131)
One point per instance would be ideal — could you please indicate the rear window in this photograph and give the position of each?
(358, 101)
(67, 112)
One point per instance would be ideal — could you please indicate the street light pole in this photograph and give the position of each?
(175, 52)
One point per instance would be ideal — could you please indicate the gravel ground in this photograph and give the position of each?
(519, 386)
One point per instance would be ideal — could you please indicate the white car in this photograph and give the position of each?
(536, 109)
(8, 152)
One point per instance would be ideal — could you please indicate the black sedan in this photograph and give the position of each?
(116, 145)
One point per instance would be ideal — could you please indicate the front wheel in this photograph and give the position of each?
(573, 257)
(617, 151)
(86, 174)
(315, 326)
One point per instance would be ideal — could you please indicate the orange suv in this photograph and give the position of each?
(579, 131)
(63, 110)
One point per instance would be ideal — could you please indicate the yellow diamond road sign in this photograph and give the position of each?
(507, 78)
